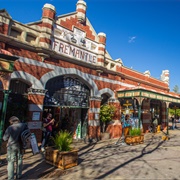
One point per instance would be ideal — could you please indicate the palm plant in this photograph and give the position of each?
(62, 141)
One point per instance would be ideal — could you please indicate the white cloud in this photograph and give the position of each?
(132, 39)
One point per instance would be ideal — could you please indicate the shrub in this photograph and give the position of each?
(62, 141)
(135, 132)
(106, 114)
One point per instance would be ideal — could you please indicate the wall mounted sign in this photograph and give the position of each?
(36, 116)
(74, 44)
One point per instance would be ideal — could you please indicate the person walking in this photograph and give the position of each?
(14, 147)
(155, 124)
(48, 123)
(173, 122)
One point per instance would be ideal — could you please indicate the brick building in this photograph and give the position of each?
(63, 67)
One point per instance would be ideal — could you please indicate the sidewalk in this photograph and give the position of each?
(154, 159)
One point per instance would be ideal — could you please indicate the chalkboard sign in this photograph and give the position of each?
(34, 144)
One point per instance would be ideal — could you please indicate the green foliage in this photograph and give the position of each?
(135, 132)
(62, 141)
(176, 89)
(106, 112)
(174, 112)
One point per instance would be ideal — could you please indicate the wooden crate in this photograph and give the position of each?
(62, 160)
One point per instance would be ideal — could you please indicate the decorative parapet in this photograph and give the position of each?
(147, 73)
(119, 62)
(81, 11)
(165, 76)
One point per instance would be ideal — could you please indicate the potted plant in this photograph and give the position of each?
(106, 114)
(135, 136)
(62, 154)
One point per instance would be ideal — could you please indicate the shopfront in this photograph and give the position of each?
(144, 106)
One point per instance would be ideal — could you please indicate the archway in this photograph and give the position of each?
(18, 100)
(156, 110)
(67, 98)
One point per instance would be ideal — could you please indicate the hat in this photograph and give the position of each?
(13, 119)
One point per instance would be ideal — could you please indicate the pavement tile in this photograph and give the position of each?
(154, 159)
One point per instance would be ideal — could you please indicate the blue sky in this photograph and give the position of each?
(145, 34)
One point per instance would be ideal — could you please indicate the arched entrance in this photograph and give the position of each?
(105, 98)
(67, 98)
(18, 100)
(156, 110)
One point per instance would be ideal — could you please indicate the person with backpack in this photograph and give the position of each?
(14, 147)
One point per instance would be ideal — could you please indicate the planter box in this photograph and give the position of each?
(133, 140)
(62, 160)
(105, 136)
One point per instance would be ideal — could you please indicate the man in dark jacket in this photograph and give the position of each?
(14, 150)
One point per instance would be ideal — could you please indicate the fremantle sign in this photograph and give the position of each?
(73, 51)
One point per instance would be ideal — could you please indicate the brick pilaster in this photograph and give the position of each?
(101, 49)
(93, 118)
(81, 11)
(35, 103)
(48, 18)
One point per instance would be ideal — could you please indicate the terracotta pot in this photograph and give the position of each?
(134, 139)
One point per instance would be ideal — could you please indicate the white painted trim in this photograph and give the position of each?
(35, 107)
(94, 123)
(94, 110)
(57, 71)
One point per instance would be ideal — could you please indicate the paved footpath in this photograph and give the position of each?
(154, 159)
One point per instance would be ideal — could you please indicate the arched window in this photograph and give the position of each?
(66, 91)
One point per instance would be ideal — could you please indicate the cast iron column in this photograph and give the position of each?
(3, 114)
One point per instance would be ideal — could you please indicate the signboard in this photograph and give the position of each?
(96, 116)
(74, 44)
(34, 144)
(78, 130)
(73, 51)
(6, 66)
(36, 116)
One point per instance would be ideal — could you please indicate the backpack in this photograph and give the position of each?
(25, 137)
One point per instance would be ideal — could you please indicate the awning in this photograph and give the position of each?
(151, 94)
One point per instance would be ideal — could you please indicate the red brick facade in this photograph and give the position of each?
(40, 61)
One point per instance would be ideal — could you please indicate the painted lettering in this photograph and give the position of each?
(73, 51)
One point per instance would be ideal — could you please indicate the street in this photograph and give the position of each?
(154, 159)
